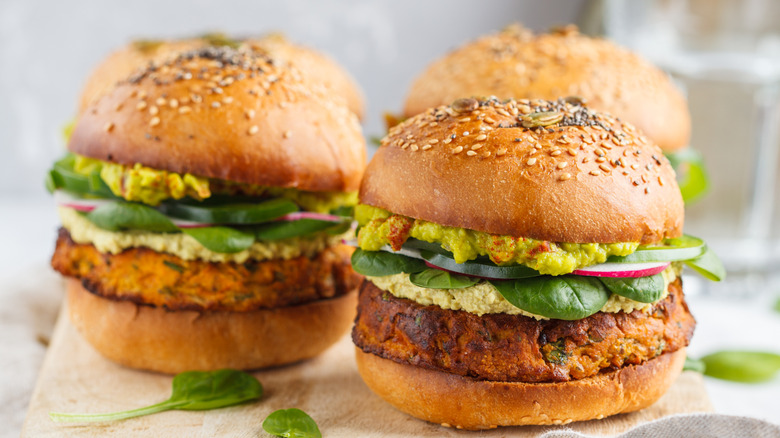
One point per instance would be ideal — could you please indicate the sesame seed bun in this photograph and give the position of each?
(156, 339)
(487, 165)
(466, 403)
(230, 114)
(313, 65)
(516, 63)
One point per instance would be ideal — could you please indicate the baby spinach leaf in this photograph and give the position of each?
(286, 229)
(192, 390)
(642, 289)
(438, 279)
(742, 366)
(221, 239)
(566, 297)
(118, 216)
(291, 423)
(708, 265)
(214, 212)
(382, 263)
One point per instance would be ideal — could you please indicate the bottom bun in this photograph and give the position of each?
(465, 403)
(157, 339)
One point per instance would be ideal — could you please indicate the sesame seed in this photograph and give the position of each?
(250, 114)
(426, 147)
(471, 153)
(636, 183)
(486, 154)
(565, 177)
(481, 137)
(465, 133)
(572, 152)
(601, 159)
(141, 105)
(585, 160)
(142, 95)
(562, 164)
(489, 120)
(538, 147)
(173, 103)
(433, 141)
(404, 145)
(599, 152)
(605, 168)
(118, 106)
(109, 127)
(215, 104)
(153, 110)
(287, 134)
(500, 152)
(465, 119)
(477, 146)
(531, 161)
(595, 172)
(457, 150)
(154, 122)
(185, 110)
(253, 130)
(160, 101)
(644, 179)
(414, 147)
(647, 190)
(227, 100)
(555, 153)
(660, 181)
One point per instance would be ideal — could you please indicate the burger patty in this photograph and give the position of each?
(144, 276)
(516, 348)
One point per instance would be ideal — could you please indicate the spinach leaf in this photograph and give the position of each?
(291, 423)
(221, 239)
(438, 279)
(777, 306)
(691, 173)
(215, 212)
(192, 390)
(642, 289)
(694, 365)
(708, 265)
(742, 366)
(566, 297)
(286, 229)
(118, 216)
(382, 263)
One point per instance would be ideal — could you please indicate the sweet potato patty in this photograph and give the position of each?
(517, 348)
(148, 277)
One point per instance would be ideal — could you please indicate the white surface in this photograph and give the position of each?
(29, 300)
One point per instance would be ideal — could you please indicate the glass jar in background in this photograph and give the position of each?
(725, 55)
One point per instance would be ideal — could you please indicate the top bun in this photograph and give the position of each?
(548, 170)
(315, 66)
(229, 114)
(515, 63)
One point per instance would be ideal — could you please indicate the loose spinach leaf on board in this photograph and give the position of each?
(742, 366)
(382, 263)
(643, 289)
(192, 391)
(287, 229)
(221, 239)
(291, 423)
(565, 297)
(438, 279)
(708, 265)
(119, 215)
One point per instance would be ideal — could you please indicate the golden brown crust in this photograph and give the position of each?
(144, 276)
(156, 339)
(516, 63)
(227, 114)
(516, 348)
(313, 65)
(462, 402)
(601, 182)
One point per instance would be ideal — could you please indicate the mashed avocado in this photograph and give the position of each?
(152, 186)
(183, 246)
(483, 298)
(380, 227)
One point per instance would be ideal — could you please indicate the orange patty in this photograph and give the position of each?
(144, 276)
(517, 348)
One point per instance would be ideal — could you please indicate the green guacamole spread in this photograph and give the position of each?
(152, 186)
(379, 227)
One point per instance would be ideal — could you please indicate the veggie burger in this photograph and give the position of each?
(523, 264)
(203, 203)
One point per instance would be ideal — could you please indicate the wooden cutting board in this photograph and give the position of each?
(75, 378)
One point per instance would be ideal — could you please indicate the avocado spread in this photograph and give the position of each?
(379, 227)
(152, 186)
